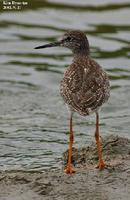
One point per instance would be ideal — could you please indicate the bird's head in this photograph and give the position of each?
(74, 40)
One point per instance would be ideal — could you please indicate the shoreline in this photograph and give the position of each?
(88, 183)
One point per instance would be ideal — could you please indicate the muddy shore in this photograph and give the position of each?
(88, 183)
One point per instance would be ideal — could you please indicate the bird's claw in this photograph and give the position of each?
(101, 165)
(69, 169)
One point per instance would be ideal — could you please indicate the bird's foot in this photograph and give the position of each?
(101, 165)
(69, 169)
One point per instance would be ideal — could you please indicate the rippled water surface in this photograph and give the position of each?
(33, 117)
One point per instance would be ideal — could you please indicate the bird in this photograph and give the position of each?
(85, 87)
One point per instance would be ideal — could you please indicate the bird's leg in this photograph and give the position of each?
(69, 168)
(101, 164)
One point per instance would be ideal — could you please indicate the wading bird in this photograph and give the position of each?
(84, 87)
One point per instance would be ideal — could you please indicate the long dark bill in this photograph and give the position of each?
(53, 44)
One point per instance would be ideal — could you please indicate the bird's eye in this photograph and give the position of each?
(68, 38)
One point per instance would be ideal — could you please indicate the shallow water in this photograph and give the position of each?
(33, 117)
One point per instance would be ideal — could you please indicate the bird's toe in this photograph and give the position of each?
(101, 165)
(69, 169)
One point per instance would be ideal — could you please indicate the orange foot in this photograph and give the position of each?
(101, 165)
(69, 169)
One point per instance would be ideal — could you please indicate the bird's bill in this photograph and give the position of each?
(53, 44)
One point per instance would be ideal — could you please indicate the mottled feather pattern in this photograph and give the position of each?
(85, 86)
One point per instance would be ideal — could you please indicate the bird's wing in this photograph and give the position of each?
(72, 79)
(84, 88)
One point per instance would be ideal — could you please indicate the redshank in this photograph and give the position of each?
(84, 87)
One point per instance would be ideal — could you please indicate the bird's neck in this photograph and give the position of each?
(80, 55)
(82, 51)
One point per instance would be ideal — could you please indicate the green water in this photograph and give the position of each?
(33, 117)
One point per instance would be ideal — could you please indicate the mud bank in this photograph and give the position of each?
(88, 183)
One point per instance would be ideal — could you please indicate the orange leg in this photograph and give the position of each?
(69, 168)
(101, 165)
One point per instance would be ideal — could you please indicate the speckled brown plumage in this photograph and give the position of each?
(84, 87)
